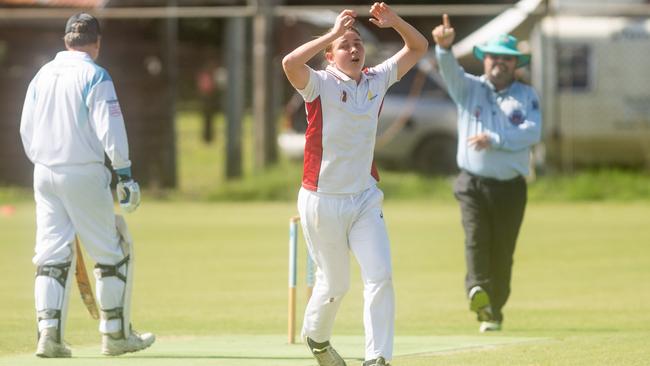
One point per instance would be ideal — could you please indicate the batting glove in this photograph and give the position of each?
(128, 191)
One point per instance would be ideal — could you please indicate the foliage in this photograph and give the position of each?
(202, 177)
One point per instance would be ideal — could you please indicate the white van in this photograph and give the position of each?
(593, 74)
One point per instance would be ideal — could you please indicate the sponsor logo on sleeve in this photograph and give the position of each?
(114, 108)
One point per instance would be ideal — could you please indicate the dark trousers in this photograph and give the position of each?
(492, 212)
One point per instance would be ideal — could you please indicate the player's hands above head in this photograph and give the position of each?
(128, 194)
(444, 34)
(344, 21)
(383, 16)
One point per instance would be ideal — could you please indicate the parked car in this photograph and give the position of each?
(416, 131)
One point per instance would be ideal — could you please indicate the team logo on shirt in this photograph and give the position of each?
(517, 117)
(514, 111)
(344, 97)
(370, 96)
(477, 112)
(368, 72)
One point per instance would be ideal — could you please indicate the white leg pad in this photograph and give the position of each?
(126, 241)
(114, 286)
(52, 293)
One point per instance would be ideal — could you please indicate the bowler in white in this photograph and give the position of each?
(339, 203)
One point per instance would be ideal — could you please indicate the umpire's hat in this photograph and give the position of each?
(503, 44)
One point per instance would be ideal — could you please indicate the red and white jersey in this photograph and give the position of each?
(342, 126)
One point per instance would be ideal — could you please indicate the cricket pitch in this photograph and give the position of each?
(248, 350)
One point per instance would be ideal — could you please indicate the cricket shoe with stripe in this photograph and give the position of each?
(133, 343)
(49, 346)
(379, 361)
(325, 354)
(479, 302)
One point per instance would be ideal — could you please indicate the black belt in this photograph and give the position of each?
(488, 180)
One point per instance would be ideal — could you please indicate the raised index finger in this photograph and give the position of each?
(445, 21)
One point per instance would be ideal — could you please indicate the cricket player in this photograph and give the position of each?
(71, 117)
(498, 123)
(339, 203)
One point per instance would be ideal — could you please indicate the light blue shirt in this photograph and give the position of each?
(511, 118)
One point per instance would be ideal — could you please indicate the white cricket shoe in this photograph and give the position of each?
(133, 343)
(479, 302)
(326, 356)
(49, 346)
(491, 326)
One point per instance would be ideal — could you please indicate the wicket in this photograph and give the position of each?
(293, 276)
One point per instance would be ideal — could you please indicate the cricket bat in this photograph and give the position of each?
(85, 289)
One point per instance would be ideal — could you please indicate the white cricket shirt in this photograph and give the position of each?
(71, 115)
(342, 121)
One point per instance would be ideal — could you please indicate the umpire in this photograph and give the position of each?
(498, 122)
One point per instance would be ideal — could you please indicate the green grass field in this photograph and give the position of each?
(211, 279)
(211, 282)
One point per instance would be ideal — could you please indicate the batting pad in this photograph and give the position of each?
(122, 271)
(126, 242)
(46, 285)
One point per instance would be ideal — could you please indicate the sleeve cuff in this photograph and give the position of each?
(442, 51)
(309, 93)
(495, 139)
(123, 173)
(393, 71)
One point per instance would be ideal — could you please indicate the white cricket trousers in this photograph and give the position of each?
(335, 225)
(71, 200)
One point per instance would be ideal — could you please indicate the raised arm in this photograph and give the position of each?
(295, 63)
(444, 34)
(452, 73)
(415, 45)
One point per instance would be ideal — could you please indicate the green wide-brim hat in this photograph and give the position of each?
(503, 44)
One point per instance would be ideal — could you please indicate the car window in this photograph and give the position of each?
(429, 89)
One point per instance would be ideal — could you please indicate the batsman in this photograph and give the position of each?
(71, 117)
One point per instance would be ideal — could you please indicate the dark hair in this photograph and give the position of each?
(81, 29)
(80, 36)
(329, 46)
